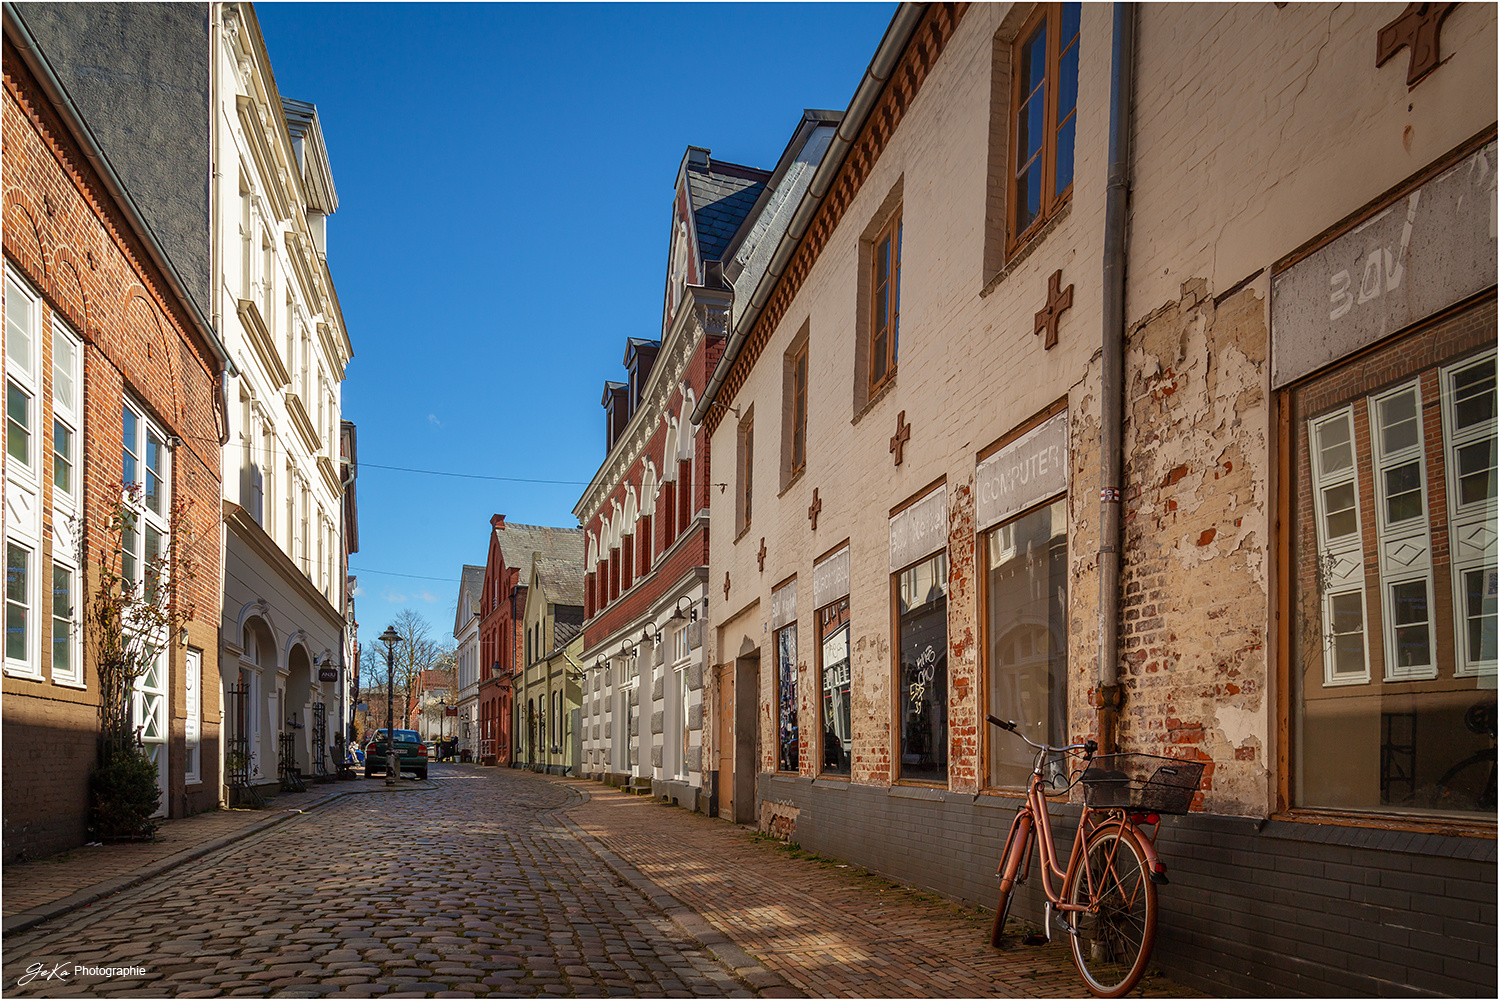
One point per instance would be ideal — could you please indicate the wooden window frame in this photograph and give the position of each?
(1050, 16)
(684, 494)
(799, 409)
(890, 291)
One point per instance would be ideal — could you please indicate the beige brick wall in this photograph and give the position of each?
(1256, 130)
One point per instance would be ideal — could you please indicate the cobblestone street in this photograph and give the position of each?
(504, 882)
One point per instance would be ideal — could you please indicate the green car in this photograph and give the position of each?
(409, 749)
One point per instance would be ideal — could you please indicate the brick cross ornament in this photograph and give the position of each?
(901, 437)
(1058, 299)
(760, 557)
(726, 585)
(815, 509)
(1416, 30)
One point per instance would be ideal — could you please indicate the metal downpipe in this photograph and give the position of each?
(1108, 695)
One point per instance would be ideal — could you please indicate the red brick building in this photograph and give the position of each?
(649, 706)
(112, 375)
(502, 611)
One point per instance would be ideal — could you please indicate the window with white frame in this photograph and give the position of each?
(146, 475)
(23, 314)
(67, 406)
(193, 725)
(1469, 430)
(66, 416)
(23, 350)
(20, 601)
(1405, 549)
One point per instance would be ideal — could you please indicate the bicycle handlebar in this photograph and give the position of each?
(1088, 747)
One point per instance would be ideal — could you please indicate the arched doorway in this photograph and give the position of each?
(298, 707)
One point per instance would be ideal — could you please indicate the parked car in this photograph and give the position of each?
(410, 750)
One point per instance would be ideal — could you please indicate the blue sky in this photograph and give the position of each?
(505, 179)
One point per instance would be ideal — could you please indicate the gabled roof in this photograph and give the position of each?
(470, 587)
(518, 542)
(721, 195)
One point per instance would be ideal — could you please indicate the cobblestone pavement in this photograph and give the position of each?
(507, 883)
(31, 887)
(471, 889)
(831, 930)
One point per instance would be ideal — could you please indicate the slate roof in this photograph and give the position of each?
(563, 633)
(472, 583)
(722, 194)
(518, 542)
(561, 578)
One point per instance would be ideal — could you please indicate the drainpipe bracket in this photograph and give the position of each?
(1108, 697)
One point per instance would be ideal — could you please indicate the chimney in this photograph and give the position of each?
(498, 521)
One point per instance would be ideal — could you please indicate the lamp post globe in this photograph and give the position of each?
(392, 767)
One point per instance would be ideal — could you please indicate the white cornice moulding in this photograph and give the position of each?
(260, 342)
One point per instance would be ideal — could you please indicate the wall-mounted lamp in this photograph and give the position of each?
(690, 613)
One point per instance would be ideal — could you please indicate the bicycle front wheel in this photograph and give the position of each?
(1112, 940)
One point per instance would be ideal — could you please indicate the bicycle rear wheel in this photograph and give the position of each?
(1112, 940)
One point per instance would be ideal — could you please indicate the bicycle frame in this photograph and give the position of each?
(1033, 817)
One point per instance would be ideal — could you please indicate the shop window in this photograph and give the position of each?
(1392, 637)
(833, 666)
(786, 698)
(1026, 626)
(922, 639)
(1469, 425)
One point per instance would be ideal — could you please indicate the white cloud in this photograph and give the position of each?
(395, 597)
(358, 590)
(432, 419)
(426, 596)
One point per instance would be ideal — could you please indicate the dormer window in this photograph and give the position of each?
(640, 358)
(616, 413)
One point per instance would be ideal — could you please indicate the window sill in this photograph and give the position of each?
(880, 394)
(796, 478)
(1026, 248)
(826, 781)
(742, 533)
(22, 673)
(69, 683)
(1388, 832)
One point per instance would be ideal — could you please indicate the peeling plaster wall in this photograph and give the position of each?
(1195, 597)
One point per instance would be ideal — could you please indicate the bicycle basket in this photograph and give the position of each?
(1143, 782)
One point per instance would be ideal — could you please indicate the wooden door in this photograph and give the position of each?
(726, 740)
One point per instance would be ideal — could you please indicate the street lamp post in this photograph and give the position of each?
(390, 638)
(442, 725)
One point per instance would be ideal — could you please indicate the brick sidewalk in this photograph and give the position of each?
(827, 929)
(43, 888)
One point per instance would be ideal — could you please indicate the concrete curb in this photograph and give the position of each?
(25, 920)
(764, 981)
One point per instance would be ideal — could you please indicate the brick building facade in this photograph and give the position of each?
(649, 700)
(112, 375)
(502, 633)
(1305, 595)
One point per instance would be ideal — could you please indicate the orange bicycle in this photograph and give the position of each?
(1107, 900)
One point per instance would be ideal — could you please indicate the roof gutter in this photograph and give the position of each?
(36, 61)
(905, 21)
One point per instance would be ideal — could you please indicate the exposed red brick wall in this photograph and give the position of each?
(72, 243)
